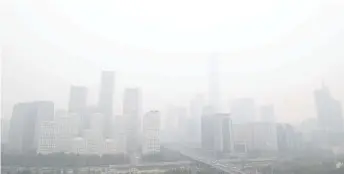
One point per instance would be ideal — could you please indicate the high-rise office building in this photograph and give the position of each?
(256, 136)
(217, 133)
(213, 84)
(267, 114)
(120, 130)
(5, 126)
(329, 110)
(243, 110)
(131, 112)
(67, 128)
(25, 124)
(151, 133)
(105, 103)
(77, 99)
(195, 119)
(47, 139)
(79, 146)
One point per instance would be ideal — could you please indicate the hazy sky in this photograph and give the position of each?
(274, 51)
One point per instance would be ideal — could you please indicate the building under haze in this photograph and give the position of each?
(195, 120)
(151, 133)
(77, 99)
(67, 128)
(330, 117)
(105, 103)
(132, 114)
(47, 138)
(267, 114)
(214, 84)
(243, 110)
(25, 126)
(217, 133)
(255, 136)
(5, 127)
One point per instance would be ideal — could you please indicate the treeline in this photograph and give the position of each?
(61, 160)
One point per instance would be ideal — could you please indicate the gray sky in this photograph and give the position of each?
(274, 51)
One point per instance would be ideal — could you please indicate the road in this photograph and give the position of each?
(218, 165)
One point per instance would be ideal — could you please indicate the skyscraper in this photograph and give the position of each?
(105, 103)
(194, 122)
(243, 110)
(26, 124)
(131, 112)
(329, 110)
(77, 99)
(47, 138)
(267, 114)
(151, 133)
(217, 133)
(213, 84)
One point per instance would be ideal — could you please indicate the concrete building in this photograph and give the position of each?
(5, 127)
(120, 130)
(151, 133)
(330, 116)
(176, 125)
(47, 139)
(255, 136)
(214, 84)
(110, 147)
(217, 133)
(68, 127)
(79, 146)
(77, 99)
(94, 143)
(265, 137)
(267, 114)
(288, 139)
(195, 121)
(105, 103)
(243, 110)
(25, 125)
(132, 114)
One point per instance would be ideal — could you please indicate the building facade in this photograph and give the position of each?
(67, 128)
(105, 103)
(25, 125)
(151, 133)
(132, 112)
(267, 114)
(77, 99)
(217, 133)
(47, 140)
(329, 111)
(243, 110)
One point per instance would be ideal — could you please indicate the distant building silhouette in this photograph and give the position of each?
(151, 133)
(329, 110)
(25, 126)
(47, 138)
(243, 110)
(131, 112)
(287, 138)
(213, 84)
(67, 128)
(217, 133)
(267, 114)
(105, 103)
(195, 120)
(5, 126)
(255, 136)
(77, 99)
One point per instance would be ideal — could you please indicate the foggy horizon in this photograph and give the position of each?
(49, 47)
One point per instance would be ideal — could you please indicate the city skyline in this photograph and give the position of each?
(172, 87)
(257, 61)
